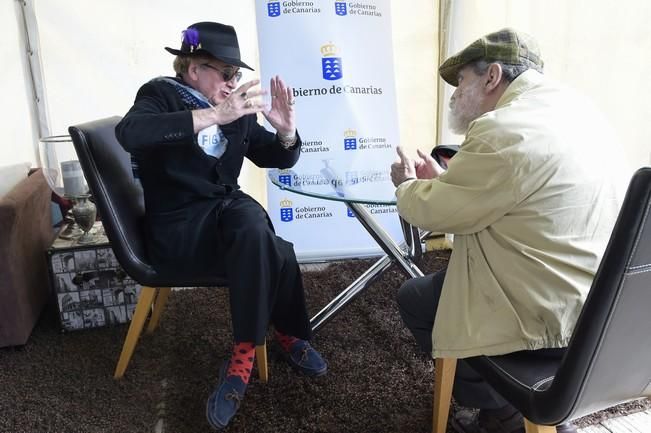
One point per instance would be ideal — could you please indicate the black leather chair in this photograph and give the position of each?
(608, 360)
(119, 199)
(443, 152)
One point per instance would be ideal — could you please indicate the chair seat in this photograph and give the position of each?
(522, 369)
(182, 278)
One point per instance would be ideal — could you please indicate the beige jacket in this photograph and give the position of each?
(531, 202)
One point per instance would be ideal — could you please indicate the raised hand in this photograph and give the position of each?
(427, 167)
(403, 168)
(240, 103)
(281, 114)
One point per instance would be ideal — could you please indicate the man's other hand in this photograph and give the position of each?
(402, 169)
(427, 167)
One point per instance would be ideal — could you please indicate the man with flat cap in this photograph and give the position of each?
(531, 200)
(188, 136)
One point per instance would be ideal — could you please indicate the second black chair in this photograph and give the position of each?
(608, 360)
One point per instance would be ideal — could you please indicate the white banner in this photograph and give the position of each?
(338, 58)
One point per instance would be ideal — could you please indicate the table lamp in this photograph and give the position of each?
(63, 173)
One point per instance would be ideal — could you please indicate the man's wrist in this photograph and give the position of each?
(216, 115)
(287, 140)
(406, 179)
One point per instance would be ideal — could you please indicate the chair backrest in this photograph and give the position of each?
(444, 152)
(119, 198)
(608, 360)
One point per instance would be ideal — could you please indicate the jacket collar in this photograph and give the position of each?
(525, 81)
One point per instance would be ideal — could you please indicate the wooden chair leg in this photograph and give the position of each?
(147, 295)
(159, 306)
(443, 381)
(261, 356)
(530, 427)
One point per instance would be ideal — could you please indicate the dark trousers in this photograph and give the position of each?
(418, 300)
(265, 283)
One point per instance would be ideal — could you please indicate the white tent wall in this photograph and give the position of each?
(96, 54)
(18, 120)
(599, 47)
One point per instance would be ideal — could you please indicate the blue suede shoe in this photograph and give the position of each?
(303, 358)
(224, 402)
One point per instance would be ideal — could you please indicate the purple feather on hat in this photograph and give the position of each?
(191, 37)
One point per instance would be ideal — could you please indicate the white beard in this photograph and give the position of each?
(461, 114)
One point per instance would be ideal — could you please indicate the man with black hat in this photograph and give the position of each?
(188, 136)
(531, 199)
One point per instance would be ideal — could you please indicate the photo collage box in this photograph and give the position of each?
(91, 288)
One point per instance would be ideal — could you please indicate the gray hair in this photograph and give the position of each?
(182, 63)
(509, 72)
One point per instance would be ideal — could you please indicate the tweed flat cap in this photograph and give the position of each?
(506, 46)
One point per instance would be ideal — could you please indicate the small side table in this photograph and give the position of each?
(91, 288)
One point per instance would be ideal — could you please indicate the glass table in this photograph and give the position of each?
(370, 190)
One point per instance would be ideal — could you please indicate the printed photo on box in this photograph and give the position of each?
(91, 288)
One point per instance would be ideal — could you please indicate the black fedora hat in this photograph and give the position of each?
(215, 39)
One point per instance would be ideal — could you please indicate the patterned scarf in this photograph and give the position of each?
(191, 98)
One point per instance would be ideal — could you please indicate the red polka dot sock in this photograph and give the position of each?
(285, 341)
(242, 361)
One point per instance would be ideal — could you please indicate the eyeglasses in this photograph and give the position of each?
(227, 74)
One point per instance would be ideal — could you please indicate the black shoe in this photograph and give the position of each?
(490, 421)
(487, 421)
(566, 428)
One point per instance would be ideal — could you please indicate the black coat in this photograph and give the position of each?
(185, 188)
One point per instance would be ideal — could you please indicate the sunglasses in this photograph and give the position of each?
(227, 74)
